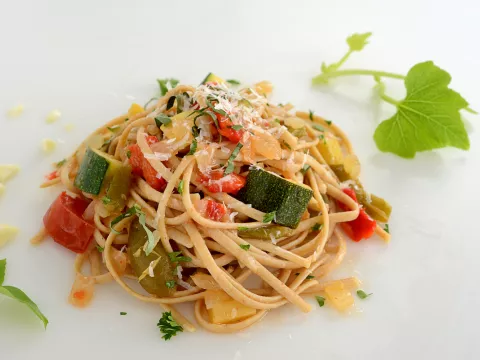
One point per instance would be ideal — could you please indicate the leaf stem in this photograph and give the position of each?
(381, 92)
(343, 59)
(326, 76)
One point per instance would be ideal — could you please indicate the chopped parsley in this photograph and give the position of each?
(193, 147)
(233, 82)
(106, 200)
(305, 169)
(168, 326)
(245, 247)
(170, 284)
(180, 187)
(387, 229)
(242, 228)
(269, 217)
(317, 227)
(177, 256)
(320, 300)
(60, 163)
(162, 120)
(129, 153)
(237, 127)
(328, 122)
(310, 277)
(362, 294)
(318, 127)
(310, 114)
(123, 313)
(230, 166)
(99, 248)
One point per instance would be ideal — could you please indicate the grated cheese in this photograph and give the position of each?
(7, 172)
(53, 116)
(150, 269)
(15, 111)
(7, 233)
(48, 145)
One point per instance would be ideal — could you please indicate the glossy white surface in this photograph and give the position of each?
(90, 59)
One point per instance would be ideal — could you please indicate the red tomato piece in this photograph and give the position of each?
(215, 211)
(151, 139)
(52, 175)
(141, 167)
(229, 184)
(363, 226)
(65, 224)
(225, 129)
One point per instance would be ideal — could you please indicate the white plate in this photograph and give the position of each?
(91, 59)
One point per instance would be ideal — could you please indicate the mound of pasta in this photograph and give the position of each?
(216, 197)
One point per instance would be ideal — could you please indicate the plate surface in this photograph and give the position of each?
(91, 59)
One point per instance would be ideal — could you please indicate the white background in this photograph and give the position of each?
(90, 59)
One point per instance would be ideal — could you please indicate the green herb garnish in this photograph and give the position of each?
(310, 277)
(310, 114)
(320, 300)
(123, 313)
(269, 217)
(17, 294)
(387, 229)
(170, 284)
(329, 122)
(168, 326)
(318, 127)
(233, 82)
(242, 228)
(245, 246)
(317, 227)
(177, 256)
(180, 187)
(129, 153)
(305, 169)
(193, 147)
(237, 127)
(230, 166)
(60, 163)
(113, 128)
(106, 200)
(99, 248)
(427, 118)
(166, 84)
(162, 119)
(362, 294)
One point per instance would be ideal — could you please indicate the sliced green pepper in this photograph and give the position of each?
(266, 232)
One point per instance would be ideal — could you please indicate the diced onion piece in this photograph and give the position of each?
(266, 145)
(82, 291)
(337, 295)
(16, 111)
(135, 109)
(352, 166)
(224, 310)
(7, 233)
(7, 172)
(48, 145)
(205, 281)
(53, 116)
(263, 88)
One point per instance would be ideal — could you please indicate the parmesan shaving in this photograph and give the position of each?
(53, 116)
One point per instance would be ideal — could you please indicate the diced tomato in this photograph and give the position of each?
(141, 167)
(215, 211)
(363, 226)
(225, 129)
(229, 184)
(151, 139)
(65, 224)
(52, 175)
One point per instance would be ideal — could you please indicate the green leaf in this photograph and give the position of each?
(362, 294)
(387, 229)
(3, 268)
(237, 127)
(162, 119)
(320, 300)
(428, 118)
(233, 82)
(168, 326)
(180, 187)
(174, 257)
(310, 114)
(99, 248)
(245, 247)
(304, 169)
(230, 165)
(318, 127)
(170, 284)
(193, 147)
(150, 238)
(19, 295)
(123, 313)
(269, 217)
(310, 277)
(356, 42)
(317, 227)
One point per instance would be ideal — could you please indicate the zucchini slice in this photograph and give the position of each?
(101, 173)
(212, 77)
(268, 192)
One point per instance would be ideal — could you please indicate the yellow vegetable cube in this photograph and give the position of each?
(330, 149)
(135, 109)
(337, 295)
(179, 128)
(7, 233)
(222, 309)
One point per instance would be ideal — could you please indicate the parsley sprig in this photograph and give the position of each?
(429, 116)
(168, 326)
